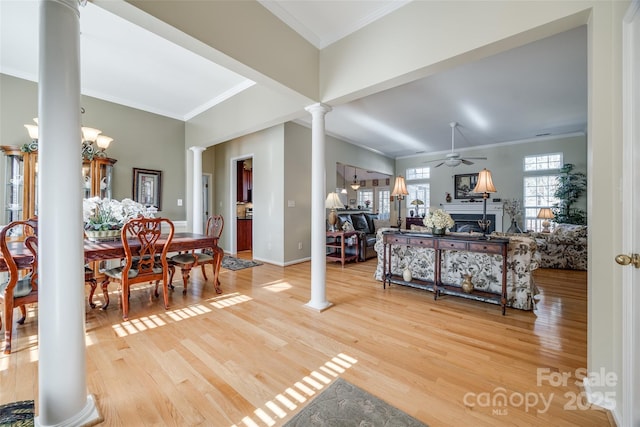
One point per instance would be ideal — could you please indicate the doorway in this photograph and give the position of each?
(244, 204)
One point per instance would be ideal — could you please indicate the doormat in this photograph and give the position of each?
(17, 414)
(233, 263)
(343, 404)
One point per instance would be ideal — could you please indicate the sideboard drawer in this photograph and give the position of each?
(395, 240)
(486, 248)
(452, 244)
(422, 242)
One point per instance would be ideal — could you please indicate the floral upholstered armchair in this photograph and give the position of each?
(485, 269)
(565, 247)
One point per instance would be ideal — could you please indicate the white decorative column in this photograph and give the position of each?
(197, 189)
(62, 383)
(318, 229)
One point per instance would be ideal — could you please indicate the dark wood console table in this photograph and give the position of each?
(493, 246)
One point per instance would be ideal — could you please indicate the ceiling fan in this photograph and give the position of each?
(453, 159)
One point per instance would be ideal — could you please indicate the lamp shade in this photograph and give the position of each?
(90, 134)
(485, 183)
(545, 213)
(103, 141)
(33, 131)
(333, 201)
(417, 202)
(399, 187)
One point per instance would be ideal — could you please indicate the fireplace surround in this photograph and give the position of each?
(467, 214)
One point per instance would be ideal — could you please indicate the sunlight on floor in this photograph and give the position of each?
(141, 324)
(278, 286)
(288, 401)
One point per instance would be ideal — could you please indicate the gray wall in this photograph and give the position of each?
(141, 139)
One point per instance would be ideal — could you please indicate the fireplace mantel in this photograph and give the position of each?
(493, 208)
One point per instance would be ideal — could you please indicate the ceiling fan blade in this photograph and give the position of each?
(466, 162)
(434, 160)
(476, 158)
(439, 164)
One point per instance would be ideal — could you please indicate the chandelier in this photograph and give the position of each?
(355, 184)
(89, 137)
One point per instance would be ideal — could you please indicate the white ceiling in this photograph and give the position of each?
(537, 89)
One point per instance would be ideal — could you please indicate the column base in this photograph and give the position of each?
(89, 416)
(318, 306)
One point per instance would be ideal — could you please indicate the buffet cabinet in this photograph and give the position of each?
(20, 184)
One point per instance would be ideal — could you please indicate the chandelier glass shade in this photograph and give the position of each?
(89, 136)
(355, 185)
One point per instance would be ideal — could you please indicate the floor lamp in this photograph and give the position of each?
(399, 191)
(484, 186)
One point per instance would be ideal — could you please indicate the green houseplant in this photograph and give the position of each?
(571, 185)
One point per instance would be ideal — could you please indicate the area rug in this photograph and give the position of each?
(232, 263)
(17, 414)
(344, 405)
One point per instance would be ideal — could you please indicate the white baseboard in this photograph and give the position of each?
(595, 398)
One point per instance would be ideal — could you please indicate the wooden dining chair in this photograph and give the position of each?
(210, 256)
(145, 258)
(19, 247)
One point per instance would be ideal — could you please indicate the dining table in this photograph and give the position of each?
(114, 249)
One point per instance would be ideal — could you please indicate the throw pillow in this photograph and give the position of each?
(381, 223)
(360, 223)
(347, 226)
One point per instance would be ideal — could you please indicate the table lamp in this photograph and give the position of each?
(399, 191)
(417, 203)
(484, 186)
(545, 214)
(333, 202)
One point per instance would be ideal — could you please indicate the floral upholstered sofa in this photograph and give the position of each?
(565, 247)
(522, 260)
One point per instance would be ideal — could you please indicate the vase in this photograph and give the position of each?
(102, 235)
(448, 198)
(438, 231)
(514, 228)
(406, 275)
(467, 285)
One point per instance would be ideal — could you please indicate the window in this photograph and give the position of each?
(543, 162)
(418, 173)
(363, 196)
(384, 203)
(418, 192)
(418, 188)
(539, 189)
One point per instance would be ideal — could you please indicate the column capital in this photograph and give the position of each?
(318, 108)
(196, 149)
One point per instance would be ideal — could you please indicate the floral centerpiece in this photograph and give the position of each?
(439, 221)
(367, 203)
(104, 218)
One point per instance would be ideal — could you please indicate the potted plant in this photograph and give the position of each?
(571, 185)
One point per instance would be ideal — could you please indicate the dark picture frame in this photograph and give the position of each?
(147, 187)
(463, 186)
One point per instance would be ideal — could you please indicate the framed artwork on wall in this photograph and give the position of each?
(464, 185)
(147, 187)
(375, 182)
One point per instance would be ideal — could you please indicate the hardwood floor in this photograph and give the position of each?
(255, 355)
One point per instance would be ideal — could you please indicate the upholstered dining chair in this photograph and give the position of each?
(145, 258)
(18, 242)
(212, 256)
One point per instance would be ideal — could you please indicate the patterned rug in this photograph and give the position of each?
(232, 263)
(344, 405)
(17, 414)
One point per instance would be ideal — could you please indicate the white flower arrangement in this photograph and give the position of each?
(108, 214)
(438, 219)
